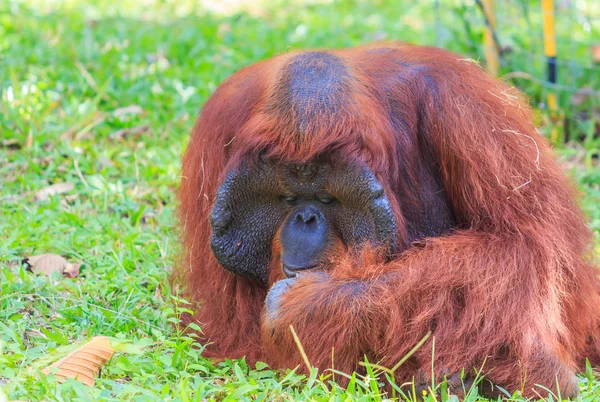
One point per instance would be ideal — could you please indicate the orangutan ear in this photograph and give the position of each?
(245, 217)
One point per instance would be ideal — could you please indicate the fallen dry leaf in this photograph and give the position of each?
(29, 142)
(84, 363)
(10, 144)
(584, 95)
(596, 53)
(158, 294)
(158, 60)
(71, 270)
(58, 188)
(48, 263)
(127, 111)
(71, 198)
(133, 132)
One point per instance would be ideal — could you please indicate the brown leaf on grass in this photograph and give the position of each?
(58, 188)
(158, 60)
(71, 270)
(133, 132)
(11, 144)
(127, 111)
(29, 142)
(83, 364)
(584, 95)
(48, 263)
(71, 198)
(596, 52)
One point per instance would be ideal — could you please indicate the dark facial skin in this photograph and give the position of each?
(311, 205)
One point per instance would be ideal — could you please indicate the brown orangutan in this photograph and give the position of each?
(369, 196)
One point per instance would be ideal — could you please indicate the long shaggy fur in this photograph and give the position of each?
(511, 289)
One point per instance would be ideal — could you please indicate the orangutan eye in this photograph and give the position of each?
(290, 199)
(326, 199)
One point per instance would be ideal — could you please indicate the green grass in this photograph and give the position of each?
(65, 68)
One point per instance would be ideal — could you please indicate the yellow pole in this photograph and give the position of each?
(550, 52)
(490, 46)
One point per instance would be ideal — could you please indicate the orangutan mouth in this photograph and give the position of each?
(294, 272)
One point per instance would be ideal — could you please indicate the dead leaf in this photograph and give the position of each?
(158, 294)
(584, 95)
(71, 270)
(127, 111)
(10, 144)
(133, 132)
(104, 162)
(84, 363)
(158, 60)
(29, 142)
(71, 198)
(223, 29)
(58, 188)
(596, 52)
(35, 333)
(48, 263)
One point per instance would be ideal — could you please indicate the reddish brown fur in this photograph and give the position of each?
(511, 287)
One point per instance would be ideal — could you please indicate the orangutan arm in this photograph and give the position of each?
(479, 300)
